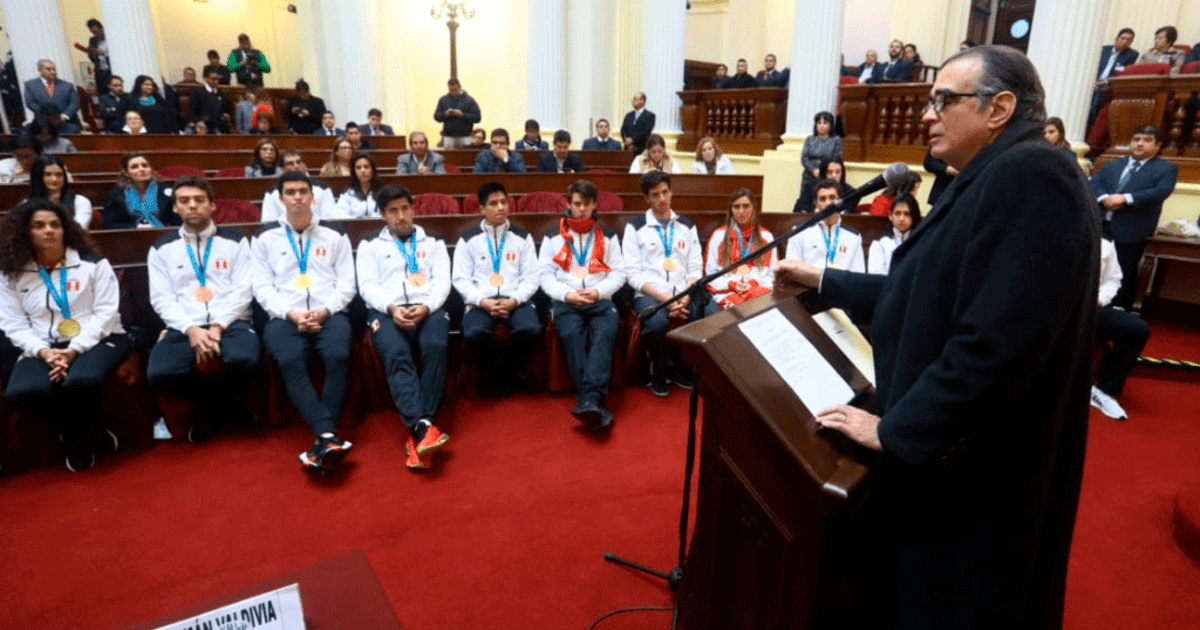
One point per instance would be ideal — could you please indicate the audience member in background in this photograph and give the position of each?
(1127, 332)
(741, 79)
(419, 160)
(358, 199)
(263, 125)
(769, 76)
(48, 89)
(249, 64)
(329, 126)
(655, 158)
(156, 113)
(457, 112)
(189, 77)
(48, 180)
(262, 105)
(59, 305)
(304, 112)
(47, 133)
(198, 128)
(1131, 192)
(638, 125)
(266, 159)
(834, 169)
(324, 203)
(1055, 133)
(207, 103)
(404, 296)
(740, 235)
(112, 105)
(881, 205)
(15, 170)
(339, 159)
(906, 215)
(1113, 59)
(720, 79)
(355, 136)
(820, 145)
(499, 158)
(97, 52)
(710, 160)
(495, 271)
(532, 140)
(663, 256)
(897, 69)
(602, 141)
(560, 160)
(134, 125)
(201, 286)
(478, 138)
(1164, 50)
(869, 71)
(139, 199)
(375, 126)
(943, 173)
(581, 268)
(912, 56)
(829, 243)
(303, 277)
(214, 62)
(243, 112)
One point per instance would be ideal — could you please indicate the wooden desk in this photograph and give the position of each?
(1156, 271)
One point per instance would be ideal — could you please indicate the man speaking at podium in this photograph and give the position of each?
(983, 336)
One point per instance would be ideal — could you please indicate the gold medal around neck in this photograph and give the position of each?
(69, 328)
(496, 280)
(303, 281)
(743, 270)
(417, 279)
(203, 295)
(669, 264)
(580, 272)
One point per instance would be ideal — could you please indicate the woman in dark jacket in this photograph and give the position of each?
(139, 200)
(155, 110)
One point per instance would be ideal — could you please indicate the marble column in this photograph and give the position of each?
(546, 41)
(132, 43)
(35, 30)
(815, 62)
(1064, 45)
(590, 48)
(664, 29)
(358, 36)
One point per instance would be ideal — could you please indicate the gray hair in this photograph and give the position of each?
(1007, 69)
(42, 62)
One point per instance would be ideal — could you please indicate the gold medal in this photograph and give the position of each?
(580, 272)
(743, 270)
(69, 328)
(496, 280)
(303, 281)
(417, 279)
(203, 295)
(832, 266)
(669, 264)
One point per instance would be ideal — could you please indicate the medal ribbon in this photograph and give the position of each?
(145, 206)
(582, 256)
(410, 254)
(64, 305)
(301, 260)
(198, 266)
(496, 252)
(831, 249)
(743, 244)
(668, 241)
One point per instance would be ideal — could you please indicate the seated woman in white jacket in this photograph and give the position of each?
(740, 235)
(710, 160)
(49, 179)
(655, 158)
(905, 216)
(358, 200)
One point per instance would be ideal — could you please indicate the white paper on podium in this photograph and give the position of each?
(849, 339)
(274, 610)
(796, 361)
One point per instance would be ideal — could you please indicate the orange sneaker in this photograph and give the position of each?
(433, 440)
(415, 461)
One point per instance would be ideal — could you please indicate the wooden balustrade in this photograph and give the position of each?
(882, 122)
(1171, 102)
(741, 121)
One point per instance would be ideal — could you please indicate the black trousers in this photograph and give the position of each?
(416, 396)
(588, 334)
(291, 349)
(1129, 258)
(172, 361)
(1128, 334)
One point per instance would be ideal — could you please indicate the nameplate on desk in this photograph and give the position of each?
(274, 610)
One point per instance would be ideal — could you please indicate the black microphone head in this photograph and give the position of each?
(894, 173)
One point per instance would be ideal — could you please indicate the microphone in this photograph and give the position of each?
(889, 177)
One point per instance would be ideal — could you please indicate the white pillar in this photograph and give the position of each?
(132, 43)
(35, 30)
(664, 29)
(587, 71)
(358, 31)
(1064, 46)
(546, 37)
(816, 59)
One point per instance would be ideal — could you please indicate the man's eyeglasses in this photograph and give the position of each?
(939, 98)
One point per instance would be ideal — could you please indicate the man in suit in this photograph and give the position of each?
(420, 160)
(742, 80)
(305, 111)
(375, 126)
(1131, 192)
(983, 334)
(602, 142)
(1113, 59)
(329, 126)
(897, 69)
(638, 125)
(499, 158)
(769, 76)
(560, 160)
(113, 104)
(869, 71)
(207, 103)
(50, 90)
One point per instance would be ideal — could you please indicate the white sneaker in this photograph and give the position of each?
(161, 432)
(1107, 404)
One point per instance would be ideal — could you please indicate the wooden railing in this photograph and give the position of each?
(1171, 102)
(882, 122)
(741, 121)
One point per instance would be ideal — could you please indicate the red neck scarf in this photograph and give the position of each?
(564, 257)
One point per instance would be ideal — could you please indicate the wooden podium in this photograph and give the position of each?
(776, 499)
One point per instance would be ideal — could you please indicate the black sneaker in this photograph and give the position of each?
(333, 450)
(660, 387)
(683, 377)
(81, 461)
(110, 438)
(606, 419)
(200, 431)
(314, 457)
(587, 412)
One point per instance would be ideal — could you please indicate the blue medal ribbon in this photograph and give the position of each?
(146, 207)
(410, 254)
(831, 249)
(743, 245)
(667, 241)
(200, 266)
(582, 256)
(496, 252)
(64, 304)
(301, 260)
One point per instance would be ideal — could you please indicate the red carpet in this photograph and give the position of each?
(507, 531)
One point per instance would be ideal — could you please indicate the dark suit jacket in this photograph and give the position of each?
(901, 71)
(305, 125)
(941, 178)
(485, 162)
(876, 72)
(66, 99)
(983, 334)
(776, 78)
(1150, 186)
(384, 130)
(112, 111)
(209, 108)
(741, 82)
(640, 132)
(337, 131)
(116, 213)
(594, 144)
(547, 164)
(1126, 58)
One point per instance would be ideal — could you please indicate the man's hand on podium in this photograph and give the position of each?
(794, 271)
(856, 424)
